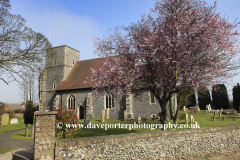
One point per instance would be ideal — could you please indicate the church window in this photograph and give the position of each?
(152, 98)
(71, 103)
(54, 85)
(54, 62)
(73, 62)
(109, 101)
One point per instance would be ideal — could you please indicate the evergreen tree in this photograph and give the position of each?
(203, 97)
(220, 96)
(236, 96)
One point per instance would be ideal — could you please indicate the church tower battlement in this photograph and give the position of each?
(58, 64)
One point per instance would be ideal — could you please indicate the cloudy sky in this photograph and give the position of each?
(76, 22)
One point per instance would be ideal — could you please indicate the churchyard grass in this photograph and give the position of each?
(201, 117)
(21, 135)
(5, 150)
(10, 127)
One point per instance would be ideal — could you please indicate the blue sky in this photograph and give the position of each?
(76, 22)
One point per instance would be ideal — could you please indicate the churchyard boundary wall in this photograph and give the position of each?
(170, 144)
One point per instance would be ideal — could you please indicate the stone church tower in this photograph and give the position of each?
(58, 63)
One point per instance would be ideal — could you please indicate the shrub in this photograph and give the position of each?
(12, 115)
(220, 97)
(18, 111)
(65, 117)
(203, 97)
(236, 96)
(2, 108)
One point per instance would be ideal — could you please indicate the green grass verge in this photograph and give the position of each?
(21, 135)
(201, 117)
(10, 127)
(5, 150)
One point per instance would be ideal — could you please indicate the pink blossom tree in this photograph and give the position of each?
(179, 44)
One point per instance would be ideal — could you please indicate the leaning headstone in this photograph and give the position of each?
(103, 116)
(5, 119)
(107, 116)
(214, 116)
(87, 120)
(139, 119)
(14, 121)
(197, 107)
(186, 119)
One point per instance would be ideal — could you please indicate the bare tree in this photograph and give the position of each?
(20, 47)
(28, 88)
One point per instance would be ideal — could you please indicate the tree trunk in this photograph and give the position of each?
(26, 130)
(175, 117)
(163, 116)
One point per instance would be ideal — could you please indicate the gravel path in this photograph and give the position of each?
(7, 142)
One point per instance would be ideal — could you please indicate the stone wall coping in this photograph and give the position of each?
(84, 141)
(38, 113)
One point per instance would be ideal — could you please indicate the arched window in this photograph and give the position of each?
(109, 101)
(152, 98)
(71, 103)
(54, 85)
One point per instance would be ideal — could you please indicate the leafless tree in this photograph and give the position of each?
(21, 48)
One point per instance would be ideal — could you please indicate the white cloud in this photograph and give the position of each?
(66, 28)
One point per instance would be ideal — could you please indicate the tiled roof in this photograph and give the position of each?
(78, 74)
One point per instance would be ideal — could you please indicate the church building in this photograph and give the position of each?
(62, 83)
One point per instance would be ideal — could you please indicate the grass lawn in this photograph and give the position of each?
(21, 135)
(4, 150)
(201, 117)
(10, 127)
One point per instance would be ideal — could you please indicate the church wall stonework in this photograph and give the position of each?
(58, 64)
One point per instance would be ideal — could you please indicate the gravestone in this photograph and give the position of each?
(107, 116)
(5, 119)
(184, 108)
(14, 121)
(193, 109)
(139, 119)
(214, 116)
(87, 120)
(192, 119)
(103, 115)
(186, 119)
(220, 113)
(129, 116)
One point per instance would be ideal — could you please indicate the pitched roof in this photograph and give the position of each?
(78, 74)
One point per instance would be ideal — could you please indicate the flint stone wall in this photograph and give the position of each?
(171, 144)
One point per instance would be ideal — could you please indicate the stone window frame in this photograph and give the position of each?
(71, 102)
(54, 61)
(54, 85)
(108, 97)
(150, 98)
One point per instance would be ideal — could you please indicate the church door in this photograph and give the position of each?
(81, 113)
